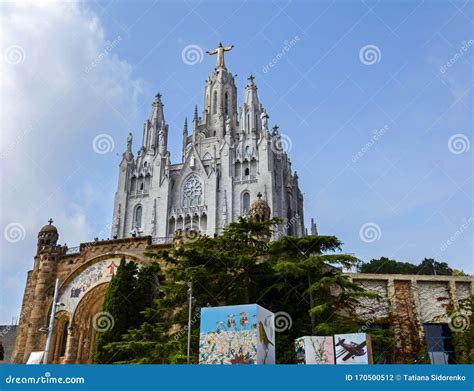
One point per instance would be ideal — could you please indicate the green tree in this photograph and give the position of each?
(240, 266)
(225, 270)
(430, 266)
(385, 265)
(326, 298)
(391, 266)
(130, 292)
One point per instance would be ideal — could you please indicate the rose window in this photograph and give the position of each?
(192, 192)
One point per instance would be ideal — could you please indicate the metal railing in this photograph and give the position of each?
(73, 250)
(162, 240)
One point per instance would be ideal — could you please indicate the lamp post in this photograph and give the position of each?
(52, 318)
(190, 293)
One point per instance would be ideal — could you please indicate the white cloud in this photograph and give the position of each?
(62, 83)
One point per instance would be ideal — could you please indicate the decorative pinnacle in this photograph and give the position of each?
(259, 195)
(196, 113)
(185, 129)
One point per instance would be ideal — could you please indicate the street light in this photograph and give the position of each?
(190, 293)
(52, 318)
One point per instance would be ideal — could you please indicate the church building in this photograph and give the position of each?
(231, 165)
(229, 156)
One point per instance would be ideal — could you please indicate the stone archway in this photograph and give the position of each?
(83, 330)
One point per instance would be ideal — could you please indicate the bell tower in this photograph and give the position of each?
(220, 97)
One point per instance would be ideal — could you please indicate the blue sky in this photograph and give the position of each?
(410, 105)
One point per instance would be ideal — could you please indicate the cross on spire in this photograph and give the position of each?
(50, 221)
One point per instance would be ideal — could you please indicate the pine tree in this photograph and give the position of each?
(292, 275)
(312, 290)
(129, 293)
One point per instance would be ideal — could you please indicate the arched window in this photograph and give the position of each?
(248, 122)
(256, 121)
(247, 172)
(226, 104)
(192, 192)
(137, 218)
(245, 203)
(214, 103)
(64, 336)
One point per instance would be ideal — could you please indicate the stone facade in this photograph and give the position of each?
(228, 157)
(73, 333)
(407, 302)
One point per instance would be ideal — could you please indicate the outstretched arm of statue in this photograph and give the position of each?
(211, 51)
(228, 48)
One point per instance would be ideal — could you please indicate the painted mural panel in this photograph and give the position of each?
(98, 273)
(242, 334)
(353, 348)
(315, 350)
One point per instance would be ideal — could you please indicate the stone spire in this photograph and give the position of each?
(195, 118)
(157, 117)
(251, 110)
(155, 127)
(314, 228)
(185, 137)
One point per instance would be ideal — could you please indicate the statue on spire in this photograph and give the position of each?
(220, 54)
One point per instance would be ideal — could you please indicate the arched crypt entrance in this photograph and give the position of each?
(80, 315)
(74, 339)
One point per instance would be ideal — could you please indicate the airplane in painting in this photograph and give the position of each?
(352, 349)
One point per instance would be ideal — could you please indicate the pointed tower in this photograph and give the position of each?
(155, 132)
(250, 122)
(185, 138)
(220, 97)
